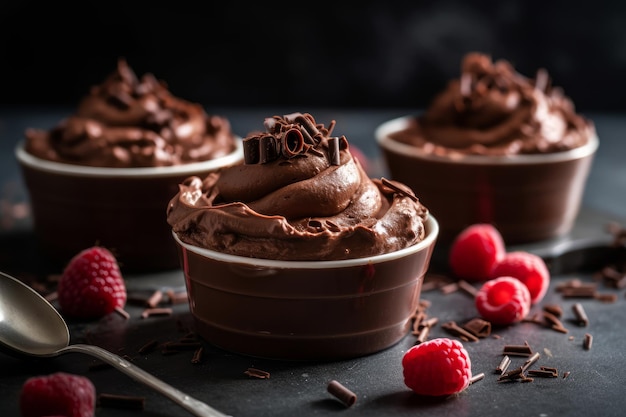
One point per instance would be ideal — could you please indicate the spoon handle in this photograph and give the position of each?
(196, 407)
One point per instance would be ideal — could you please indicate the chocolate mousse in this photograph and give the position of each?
(132, 122)
(300, 195)
(493, 110)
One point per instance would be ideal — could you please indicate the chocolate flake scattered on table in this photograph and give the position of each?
(587, 341)
(453, 328)
(148, 347)
(158, 311)
(581, 315)
(517, 350)
(343, 394)
(504, 365)
(197, 355)
(257, 373)
(478, 327)
(476, 378)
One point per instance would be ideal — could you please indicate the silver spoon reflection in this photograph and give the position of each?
(30, 325)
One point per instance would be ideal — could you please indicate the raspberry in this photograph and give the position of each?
(503, 300)
(91, 285)
(60, 394)
(528, 268)
(437, 367)
(475, 251)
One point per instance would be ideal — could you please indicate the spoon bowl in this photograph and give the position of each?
(31, 326)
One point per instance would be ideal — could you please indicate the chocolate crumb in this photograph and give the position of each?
(343, 394)
(566, 374)
(127, 402)
(257, 373)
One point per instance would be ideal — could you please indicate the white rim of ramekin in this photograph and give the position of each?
(165, 171)
(383, 131)
(432, 228)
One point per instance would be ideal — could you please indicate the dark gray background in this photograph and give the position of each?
(300, 54)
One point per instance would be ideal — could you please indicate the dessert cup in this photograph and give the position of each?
(528, 197)
(123, 209)
(305, 310)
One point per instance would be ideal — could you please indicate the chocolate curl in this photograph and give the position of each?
(308, 125)
(251, 153)
(293, 143)
(268, 149)
(333, 151)
(400, 189)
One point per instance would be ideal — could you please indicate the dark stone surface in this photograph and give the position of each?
(596, 381)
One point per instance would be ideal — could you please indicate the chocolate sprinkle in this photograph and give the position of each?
(587, 341)
(257, 373)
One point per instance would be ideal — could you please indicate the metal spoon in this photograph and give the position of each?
(30, 325)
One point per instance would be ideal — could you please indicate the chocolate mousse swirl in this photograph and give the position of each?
(131, 122)
(300, 195)
(491, 109)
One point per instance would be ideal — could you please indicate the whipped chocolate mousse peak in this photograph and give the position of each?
(493, 110)
(128, 121)
(300, 195)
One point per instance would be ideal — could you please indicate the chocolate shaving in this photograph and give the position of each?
(478, 327)
(503, 365)
(155, 299)
(159, 311)
(581, 315)
(456, 330)
(126, 402)
(399, 188)
(197, 355)
(587, 341)
(449, 288)
(535, 356)
(554, 309)
(543, 373)
(476, 378)
(468, 288)
(343, 394)
(517, 350)
(333, 151)
(149, 346)
(123, 313)
(257, 373)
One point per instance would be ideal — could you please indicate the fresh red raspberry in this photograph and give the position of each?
(475, 251)
(59, 394)
(91, 285)
(528, 268)
(437, 367)
(503, 300)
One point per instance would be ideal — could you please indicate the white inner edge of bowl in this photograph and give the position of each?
(432, 231)
(384, 130)
(87, 171)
